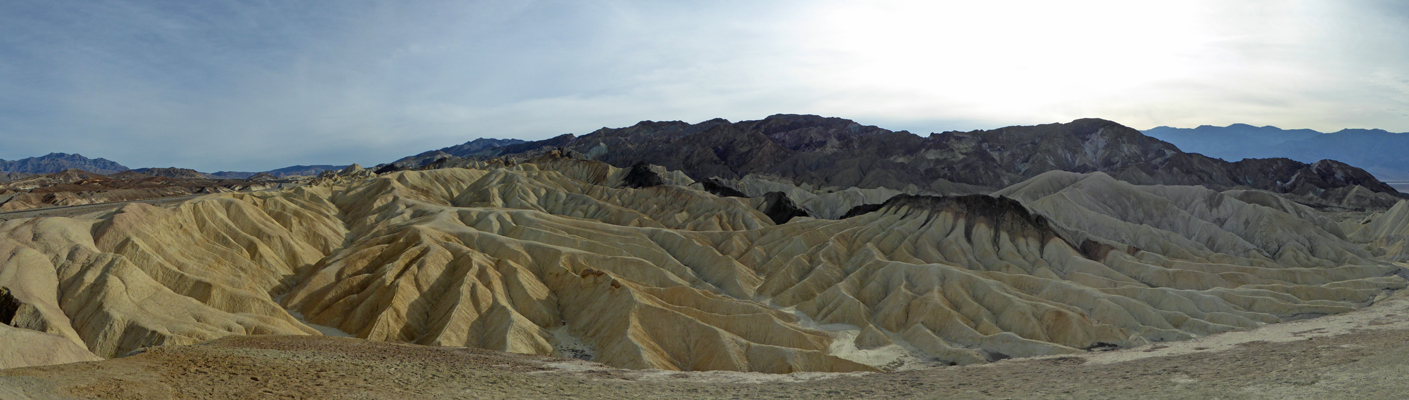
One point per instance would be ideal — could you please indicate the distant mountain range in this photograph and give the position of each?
(297, 170)
(835, 152)
(58, 162)
(473, 148)
(1377, 151)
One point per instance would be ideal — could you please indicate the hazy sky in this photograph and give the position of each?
(257, 85)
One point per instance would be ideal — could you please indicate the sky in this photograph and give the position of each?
(259, 85)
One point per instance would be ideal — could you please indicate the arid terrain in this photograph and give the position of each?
(1090, 265)
(636, 199)
(1357, 355)
(76, 187)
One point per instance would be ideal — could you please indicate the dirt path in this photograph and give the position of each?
(73, 211)
(1359, 355)
(84, 209)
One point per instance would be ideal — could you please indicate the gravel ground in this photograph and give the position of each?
(1359, 355)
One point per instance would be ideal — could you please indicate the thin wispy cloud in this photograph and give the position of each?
(258, 85)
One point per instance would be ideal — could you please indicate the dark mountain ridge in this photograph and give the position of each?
(296, 170)
(836, 152)
(172, 172)
(468, 149)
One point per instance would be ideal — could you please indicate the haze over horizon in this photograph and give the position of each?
(256, 86)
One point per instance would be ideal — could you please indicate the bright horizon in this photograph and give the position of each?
(253, 87)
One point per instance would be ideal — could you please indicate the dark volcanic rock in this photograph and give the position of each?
(780, 208)
(861, 210)
(473, 147)
(57, 162)
(838, 152)
(1334, 174)
(304, 170)
(481, 147)
(263, 177)
(296, 170)
(1097, 251)
(9, 305)
(1007, 214)
(387, 168)
(1000, 213)
(172, 172)
(556, 142)
(641, 176)
(719, 189)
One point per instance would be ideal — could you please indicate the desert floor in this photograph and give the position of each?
(1359, 355)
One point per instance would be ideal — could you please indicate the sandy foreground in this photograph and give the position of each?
(1358, 355)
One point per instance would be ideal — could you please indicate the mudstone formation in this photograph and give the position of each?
(725, 263)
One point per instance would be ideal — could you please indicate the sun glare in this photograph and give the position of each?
(1001, 56)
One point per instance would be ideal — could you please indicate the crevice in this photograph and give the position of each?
(9, 305)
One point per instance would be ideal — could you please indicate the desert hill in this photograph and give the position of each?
(77, 187)
(557, 255)
(1387, 232)
(12, 176)
(838, 154)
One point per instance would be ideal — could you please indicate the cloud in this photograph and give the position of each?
(255, 86)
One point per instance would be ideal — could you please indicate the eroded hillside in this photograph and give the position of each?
(563, 256)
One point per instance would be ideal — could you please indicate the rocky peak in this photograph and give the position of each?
(1337, 174)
